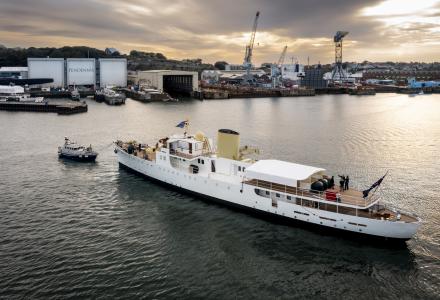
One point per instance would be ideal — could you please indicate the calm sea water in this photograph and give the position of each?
(72, 230)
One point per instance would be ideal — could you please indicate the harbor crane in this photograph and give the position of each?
(249, 48)
(275, 70)
(282, 57)
(338, 72)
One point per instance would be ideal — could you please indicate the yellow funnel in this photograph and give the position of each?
(228, 144)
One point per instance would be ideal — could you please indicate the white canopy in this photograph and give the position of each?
(280, 172)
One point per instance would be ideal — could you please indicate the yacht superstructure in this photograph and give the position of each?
(272, 187)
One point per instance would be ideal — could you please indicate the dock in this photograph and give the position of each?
(59, 94)
(59, 107)
(231, 91)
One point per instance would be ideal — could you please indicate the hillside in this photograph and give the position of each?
(137, 60)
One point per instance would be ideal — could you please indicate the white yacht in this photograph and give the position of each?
(275, 188)
(16, 94)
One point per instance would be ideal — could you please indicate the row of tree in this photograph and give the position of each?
(18, 56)
(137, 60)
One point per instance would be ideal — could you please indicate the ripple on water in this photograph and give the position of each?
(96, 231)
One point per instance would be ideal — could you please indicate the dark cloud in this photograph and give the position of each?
(212, 29)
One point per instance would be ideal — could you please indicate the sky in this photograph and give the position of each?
(379, 30)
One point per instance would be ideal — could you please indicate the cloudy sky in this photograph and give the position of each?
(397, 30)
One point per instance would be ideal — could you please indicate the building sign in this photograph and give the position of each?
(81, 70)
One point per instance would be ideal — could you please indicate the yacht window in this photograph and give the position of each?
(289, 198)
(203, 162)
(239, 169)
(198, 160)
(278, 195)
(267, 192)
(243, 168)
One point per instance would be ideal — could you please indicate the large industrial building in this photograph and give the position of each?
(87, 72)
(171, 81)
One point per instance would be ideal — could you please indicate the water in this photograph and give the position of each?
(96, 231)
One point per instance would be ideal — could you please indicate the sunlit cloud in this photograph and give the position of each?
(400, 7)
(213, 30)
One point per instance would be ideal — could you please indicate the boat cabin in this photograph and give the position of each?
(186, 147)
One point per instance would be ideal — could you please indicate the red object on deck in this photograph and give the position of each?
(331, 196)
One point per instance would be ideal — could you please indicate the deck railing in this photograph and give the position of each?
(344, 199)
(187, 155)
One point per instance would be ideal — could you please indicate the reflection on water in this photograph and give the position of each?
(81, 230)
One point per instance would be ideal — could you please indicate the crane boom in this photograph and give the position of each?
(248, 55)
(282, 57)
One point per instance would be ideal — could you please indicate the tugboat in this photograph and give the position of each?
(72, 150)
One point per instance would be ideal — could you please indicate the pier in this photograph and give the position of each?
(59, 107)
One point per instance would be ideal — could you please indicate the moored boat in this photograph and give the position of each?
(274, 188)
(71, 150)
(113, 98)
(14, 93)
(75, 95)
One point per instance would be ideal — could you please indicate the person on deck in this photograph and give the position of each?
(347, 182)
(341, 182)
(332, 182)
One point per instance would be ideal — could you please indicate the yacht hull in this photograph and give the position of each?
(243, 197)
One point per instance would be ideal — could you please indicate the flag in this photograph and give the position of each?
(375, 185)
(182, 124)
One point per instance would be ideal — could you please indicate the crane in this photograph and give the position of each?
(249, 48)
(338, 72)
(282, 57)
(275, 70)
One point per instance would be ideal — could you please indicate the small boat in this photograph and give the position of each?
(72, 150)
(99, 95)
(113, 98)
(74, 95)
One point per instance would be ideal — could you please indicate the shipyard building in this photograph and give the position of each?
(87, 72)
